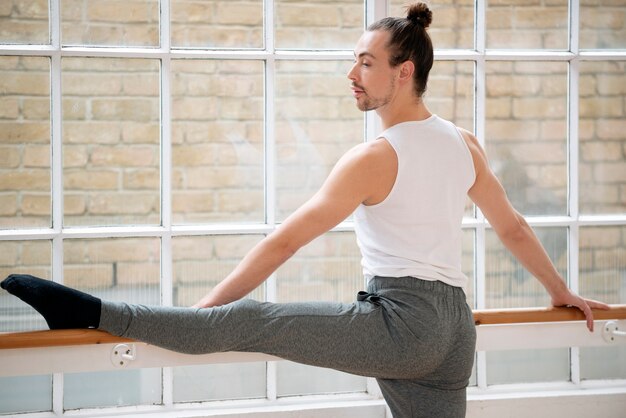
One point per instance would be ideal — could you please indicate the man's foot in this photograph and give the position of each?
(61, 306)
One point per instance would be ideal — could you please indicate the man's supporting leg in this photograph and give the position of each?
(417, 399)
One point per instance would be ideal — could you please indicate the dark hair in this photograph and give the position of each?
(410, 41)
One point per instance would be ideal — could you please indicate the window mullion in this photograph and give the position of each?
(167, 280)
(56, 166)
(573, 156)
(271, 375)
(374, 10)
(479, 130)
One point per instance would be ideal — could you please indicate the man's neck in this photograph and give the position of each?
(395, 113)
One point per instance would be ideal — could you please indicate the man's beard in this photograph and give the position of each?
(372, 103)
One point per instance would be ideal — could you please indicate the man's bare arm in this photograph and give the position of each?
(518, 237)
(356, 178)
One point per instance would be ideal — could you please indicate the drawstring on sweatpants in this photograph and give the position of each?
(362, 295)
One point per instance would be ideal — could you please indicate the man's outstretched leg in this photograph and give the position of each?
(61, 306)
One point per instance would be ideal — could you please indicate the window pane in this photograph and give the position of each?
(327, 269)
(217, 24)
(526, 131)
(527, 25)
(25, 394)
(217, 145)
(24, 142)
(120, 269)
(199, 264)
(111, 141)
(527, 366)
(202, 262)
(26, 257)
(602, 264)
(452, 25)
(110, 22)
(318, 24)
(603, 24)
(316, 122)
(116, 388)
(450, 92)
(602, 133)
(24, 22)
(508, 284)
(125, 270)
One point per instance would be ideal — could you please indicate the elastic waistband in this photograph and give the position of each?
(377, 284)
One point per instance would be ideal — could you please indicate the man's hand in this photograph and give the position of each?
(569, 298)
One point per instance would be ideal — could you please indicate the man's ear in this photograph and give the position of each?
(407, 68)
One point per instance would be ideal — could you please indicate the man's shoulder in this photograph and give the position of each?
(371, 151)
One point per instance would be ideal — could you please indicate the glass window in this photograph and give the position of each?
(316, 122)
(603, 276)
(450, 92)
(25, 394)
(110, 22)
(114, 269)
(24, 142)
(453, 22)
(25, 257)
(217, 24)
(24, 22)
(602, 24)
(508, 284)
(527, 25)
(199, 264)
(327, 269)
(111, 133)
(117, 388)
(225, 91)
(602, 133)
(301, 24)
(526, 133)
(527, 366)
(217, 141)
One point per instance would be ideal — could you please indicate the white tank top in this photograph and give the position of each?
(416, 230)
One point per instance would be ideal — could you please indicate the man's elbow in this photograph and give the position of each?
(281, 246)
(515, 231)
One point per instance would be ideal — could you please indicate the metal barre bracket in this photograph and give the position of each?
(122, 354)
(611, 332)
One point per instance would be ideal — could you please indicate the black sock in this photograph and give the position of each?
(61, 306)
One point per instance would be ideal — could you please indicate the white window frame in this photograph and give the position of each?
(375, 9)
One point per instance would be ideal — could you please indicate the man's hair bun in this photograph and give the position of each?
(420, 14)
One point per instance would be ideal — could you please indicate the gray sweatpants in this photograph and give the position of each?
(416, 337)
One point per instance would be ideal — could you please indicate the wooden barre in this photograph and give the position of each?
(66, 337)
(525, 315)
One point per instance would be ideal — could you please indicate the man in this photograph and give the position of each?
(412, 330)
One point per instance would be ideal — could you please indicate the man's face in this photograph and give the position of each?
(373, 79)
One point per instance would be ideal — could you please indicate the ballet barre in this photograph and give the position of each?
(54, 338)
(80, 350)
